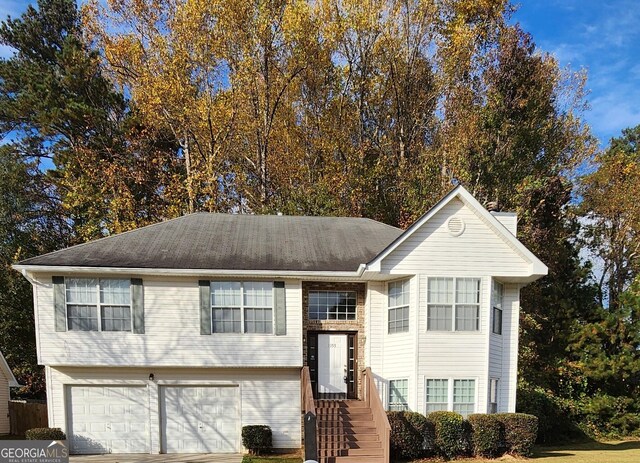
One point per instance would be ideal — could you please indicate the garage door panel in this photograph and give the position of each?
(108, 419)
(201, 419)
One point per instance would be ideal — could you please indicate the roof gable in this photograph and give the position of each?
(4, 366)
(535, 267)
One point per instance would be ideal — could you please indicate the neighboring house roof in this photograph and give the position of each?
(536, 266)
(4, 366)
(234, 242)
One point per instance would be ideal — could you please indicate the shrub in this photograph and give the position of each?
(412, 435)
(555, 415)
(449, 427)
(520, 431)
(257, 439)
(487, 435)
(609, 417)
(45, 434)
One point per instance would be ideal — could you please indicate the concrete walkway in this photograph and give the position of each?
(173, 458)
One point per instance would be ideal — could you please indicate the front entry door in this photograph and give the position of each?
(332, 366)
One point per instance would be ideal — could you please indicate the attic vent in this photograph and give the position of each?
(455, 225)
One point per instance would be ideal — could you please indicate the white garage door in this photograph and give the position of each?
(200, 419)
(108, 419)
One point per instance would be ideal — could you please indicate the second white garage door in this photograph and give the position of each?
(200, 419)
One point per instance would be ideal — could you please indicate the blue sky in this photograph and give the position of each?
(601, 36)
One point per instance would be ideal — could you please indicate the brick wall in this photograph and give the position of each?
(356, 325)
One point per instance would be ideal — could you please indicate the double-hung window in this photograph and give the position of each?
(242, 307)
(398, 302)
(398, 393)
(98, 304)
(496, 303)
(456, 395)
(493, 395)
(453, 304)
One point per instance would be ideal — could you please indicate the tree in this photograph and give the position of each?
(612, 215)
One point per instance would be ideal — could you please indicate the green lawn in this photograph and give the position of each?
(592, 452)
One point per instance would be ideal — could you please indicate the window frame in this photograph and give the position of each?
(405, 404)
(333, 320)
(98, 305)
(242, 308)
(450, 392)
(454, 305)
(497, 307)
(494, 395)
(405, 306)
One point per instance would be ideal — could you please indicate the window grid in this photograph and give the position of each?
(493, 395)
(437, 395)
(398, 304)
(398, 393)
(496, 303)
(332, 305)
(453, 304)
(88, 297)
(242, 307)
(464, 396)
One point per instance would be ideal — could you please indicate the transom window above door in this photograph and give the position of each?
(332, 305)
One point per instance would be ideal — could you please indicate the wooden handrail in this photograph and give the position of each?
(310, 419)
(372, 398)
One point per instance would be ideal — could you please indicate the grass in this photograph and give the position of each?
(289, 458)
(590, 452)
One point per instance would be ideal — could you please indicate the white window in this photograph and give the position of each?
(464, 393)
(398, 303)
(437, 395)
(496, 304)
(456, 395)
(332, 305)
(242, 307)
(453, 304)
(398, 393)
(493, 395)
(98, 304)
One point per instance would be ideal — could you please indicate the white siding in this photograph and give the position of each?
(511, 319)
(172, 334)
(456, 354)
(4, 404)
(270, 397)
(392, 356)
(477, 251)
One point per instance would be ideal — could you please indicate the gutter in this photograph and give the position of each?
(28, 270)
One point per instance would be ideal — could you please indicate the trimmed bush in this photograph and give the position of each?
(487, 435)
(257, 439)
(45, 434)
(412, 435)
(520, 431)
(449, 427)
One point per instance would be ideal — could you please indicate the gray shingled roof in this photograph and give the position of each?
(235, 242)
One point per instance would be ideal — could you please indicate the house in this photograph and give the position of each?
(7, 381)
(172, 337)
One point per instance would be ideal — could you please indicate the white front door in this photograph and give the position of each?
(200, 419)
(332, 363)
(108, 419)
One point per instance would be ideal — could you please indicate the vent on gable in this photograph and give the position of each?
(455, 225)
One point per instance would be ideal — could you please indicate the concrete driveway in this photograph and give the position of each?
(173, 458)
